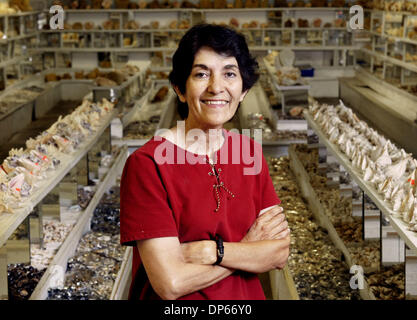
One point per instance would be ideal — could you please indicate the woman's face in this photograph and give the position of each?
(213, 89)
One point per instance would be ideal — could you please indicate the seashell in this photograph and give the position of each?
(412, 180)
(30, 178)
(378, 178)
(414, 218)
(334, 135)
(384, 159)
(391, 147)
(411, 210)
(382, 187)
(16, 183)
(407, 202)
(29, 165)
(31, 144)
(64, 145)
(397, 170)
(16, 152)
(397, 200)
(7, 167)
(364, 163)
(368, 174)
(349, 149)
(43, 159)
(342, 139)
(357, 160)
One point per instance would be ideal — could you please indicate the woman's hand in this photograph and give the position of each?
(199, 252)
(271, 225)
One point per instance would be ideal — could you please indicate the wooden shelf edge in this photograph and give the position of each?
(123, 276)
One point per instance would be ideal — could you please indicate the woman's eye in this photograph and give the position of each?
(230, 74)
(201, 75)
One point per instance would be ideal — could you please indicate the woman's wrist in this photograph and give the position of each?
(211, 251)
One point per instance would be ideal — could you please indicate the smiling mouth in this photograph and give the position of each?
(215, 103)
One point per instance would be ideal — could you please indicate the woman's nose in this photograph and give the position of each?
(215, 85)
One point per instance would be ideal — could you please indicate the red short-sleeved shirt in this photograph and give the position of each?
(164, 200)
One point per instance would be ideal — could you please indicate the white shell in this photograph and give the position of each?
(397, 170)
(397, 200)
(384, 159)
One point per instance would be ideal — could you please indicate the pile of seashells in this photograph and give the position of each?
(22, 280)
(385, 167)
(54, 234)
(366, 254)
(141, 129)
(17, 97)
(93, 269)
(269, 133)
(314, 262)
(23, 169)
(388, 283)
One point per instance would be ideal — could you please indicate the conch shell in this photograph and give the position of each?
(397, 200)
(384, 186)
(412, 211)
(63, 144)
(384, 159)
(397, 170)
(407, 203)
(15, 184)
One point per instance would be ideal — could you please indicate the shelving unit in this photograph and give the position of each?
(18, 35)
(10, 221)
(409, 237)
(68, 247)
(153, 32)
(143, 106)
(392, 54)
(400, 227)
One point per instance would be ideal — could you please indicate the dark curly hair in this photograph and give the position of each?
(222, 40)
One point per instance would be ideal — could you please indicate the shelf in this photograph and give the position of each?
(399, 39)
(115, 49)
(12, 61)
(249, 10)
(406, 65)
(69, 246)
(409, 237)
(124, 277)
(15, 38)
(167, 49)
(20, 14)
(10, 221)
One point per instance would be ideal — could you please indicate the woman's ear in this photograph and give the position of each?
(179, 94)
(242, 96)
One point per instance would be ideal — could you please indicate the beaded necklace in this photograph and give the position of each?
(219, 183)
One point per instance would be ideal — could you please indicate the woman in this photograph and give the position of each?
(203, 228)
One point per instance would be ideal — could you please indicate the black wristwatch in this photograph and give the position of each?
(220, 249)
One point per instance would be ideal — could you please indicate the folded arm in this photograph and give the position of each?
(176, 269)
(170, 275)
(264, 247)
